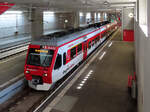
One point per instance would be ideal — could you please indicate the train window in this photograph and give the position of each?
(89, 45)
(73, 52)
(58, 62)
(93, 42)
(79, 48)
(64, 58)
(40, 57)
(103, 34)
(97, 38)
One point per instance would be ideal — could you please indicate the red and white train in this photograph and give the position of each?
(50, 59)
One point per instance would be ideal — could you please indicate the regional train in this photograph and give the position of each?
(52, 56)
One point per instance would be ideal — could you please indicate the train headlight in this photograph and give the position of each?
(27, 72)
(45, 75)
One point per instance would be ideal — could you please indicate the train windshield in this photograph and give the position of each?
(40, 57)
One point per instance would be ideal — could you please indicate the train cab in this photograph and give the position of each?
(39, 63)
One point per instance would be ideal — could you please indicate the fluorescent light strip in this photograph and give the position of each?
(48, 12)
(102, 56)
(13, 12)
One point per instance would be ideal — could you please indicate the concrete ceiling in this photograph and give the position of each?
(89, 5)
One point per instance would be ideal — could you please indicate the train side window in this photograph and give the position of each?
(64, 58)
(103, 34)
(89, 45)
(58, 62)
(97, 38)
(73, 52)
(79, 48)
(93, 42)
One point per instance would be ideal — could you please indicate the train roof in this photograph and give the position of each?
(60, 38)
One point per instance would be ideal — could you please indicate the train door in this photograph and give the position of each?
(85, 50)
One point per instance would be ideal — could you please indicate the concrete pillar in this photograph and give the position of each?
(148, 17)
(93, 17)
(109, 16)
(37, 23)
(102, 16)
(76, 19)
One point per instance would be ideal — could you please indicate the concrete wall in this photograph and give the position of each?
(142, 68)
(142, 54)
(57, 21)
(20, 22)
(12, 22)
(140, 39)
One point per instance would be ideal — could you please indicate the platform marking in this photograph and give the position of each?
(81, 84)
(101, 57)
(79, 87)
(62, 93)
(84, 80)
(86, 77)
(110, 44)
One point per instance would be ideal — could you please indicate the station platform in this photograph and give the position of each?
(102, 84)
(10, 41)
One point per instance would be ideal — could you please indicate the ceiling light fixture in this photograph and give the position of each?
(106, 3)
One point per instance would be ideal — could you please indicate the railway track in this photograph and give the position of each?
(30, 100)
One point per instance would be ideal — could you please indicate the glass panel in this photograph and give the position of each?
(40, 57)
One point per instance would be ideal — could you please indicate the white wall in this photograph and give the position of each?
(143, 68)
(142, 44)
(139, 59)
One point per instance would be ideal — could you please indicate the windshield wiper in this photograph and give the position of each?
(44, 62)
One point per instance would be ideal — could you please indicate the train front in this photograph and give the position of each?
(38, 67)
